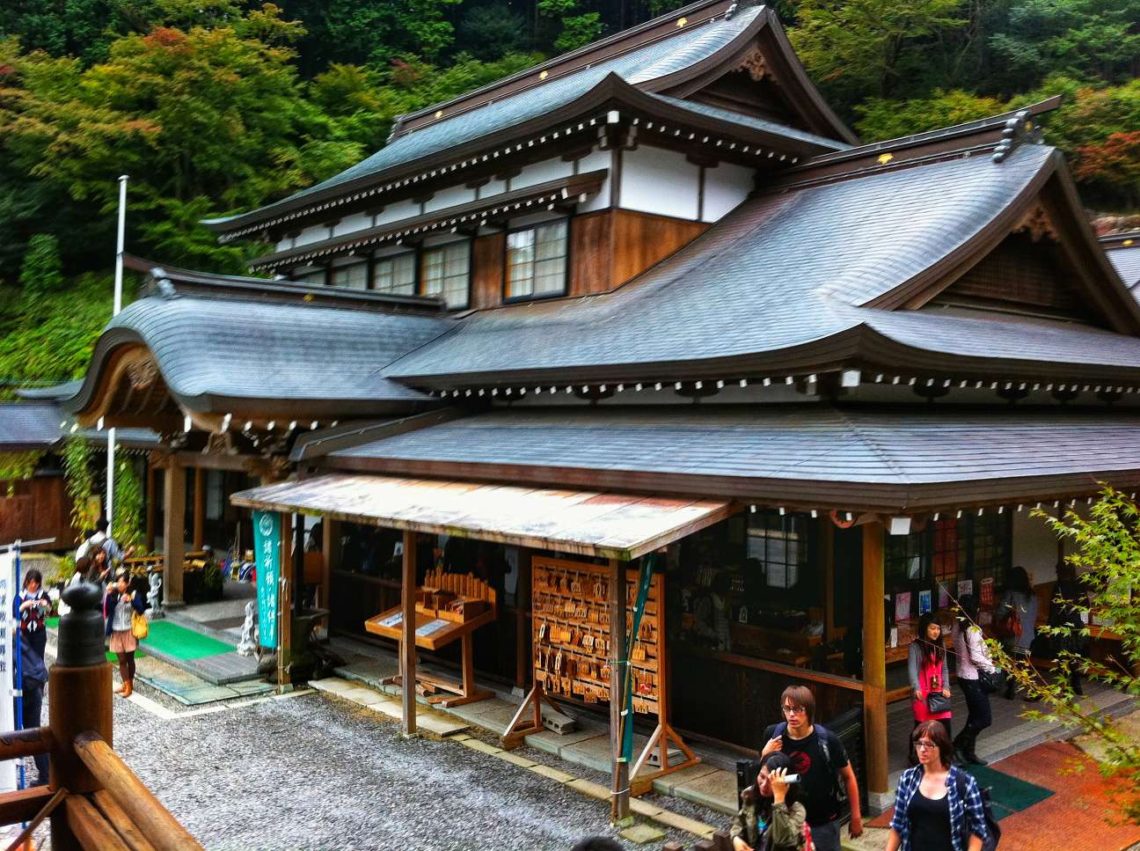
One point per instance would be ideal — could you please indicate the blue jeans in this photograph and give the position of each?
(825, 836)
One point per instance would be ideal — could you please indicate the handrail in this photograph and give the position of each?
(93, 831)
(18, 744)
(144, 809)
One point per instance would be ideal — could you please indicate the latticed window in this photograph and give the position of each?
(536, 260)
(395, 274)
(779, 543)
(354, 277)
(447, 272)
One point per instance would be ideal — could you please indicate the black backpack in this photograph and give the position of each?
(993, 829)
(747, 769)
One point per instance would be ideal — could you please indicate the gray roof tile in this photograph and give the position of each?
(267, 350)
(643, 65)
(29, 426)
(782, 270)
(809, 442)
(1126, 261)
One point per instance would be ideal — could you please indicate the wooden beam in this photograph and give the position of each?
(92, 830)
(874, 659)
(23, 804)
(21, 743)
(21, 843)
(199, 509)
(619, 790)
(155, 822)
(173, 533)
(408, 639)
(117, 816)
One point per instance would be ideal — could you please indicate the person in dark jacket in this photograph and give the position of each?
(1067, 612)
(118, 607)
(770, 817)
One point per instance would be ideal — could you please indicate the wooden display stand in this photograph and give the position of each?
(572, 658)
(449, 606)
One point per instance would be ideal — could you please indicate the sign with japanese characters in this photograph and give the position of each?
(8, 627)
(267, 541)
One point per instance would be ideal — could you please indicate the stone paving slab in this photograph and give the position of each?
(441, 725)
(335, 685)
(552, 743)
(387, 707)
(667, 785)
(553, 773)
(643, 808)
(680, 822)
(643, 834)
(589, 787)
(514, 758)
(479, 745)
(716, 790)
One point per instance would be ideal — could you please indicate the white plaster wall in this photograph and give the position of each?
(654, 180)
(1034, 547)
(449, 197)
(596, 161)
(313, 234)
(357, 221)
(492, 187)
(541, 172)
(285, 244)
(725, 187)
(400, 210)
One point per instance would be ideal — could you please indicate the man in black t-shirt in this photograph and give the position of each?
(820, 759)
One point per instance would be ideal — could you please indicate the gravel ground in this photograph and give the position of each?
(315, 772)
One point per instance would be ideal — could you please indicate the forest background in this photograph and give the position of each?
(218, 106)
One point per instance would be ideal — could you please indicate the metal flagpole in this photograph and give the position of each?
(18, 668)
(118, 307)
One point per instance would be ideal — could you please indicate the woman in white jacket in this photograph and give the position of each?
(973, 656)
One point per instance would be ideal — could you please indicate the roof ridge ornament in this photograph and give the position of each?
(740, 6)
(1021, 128)
(163, 286)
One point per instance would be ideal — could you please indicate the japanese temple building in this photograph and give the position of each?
(652, 299)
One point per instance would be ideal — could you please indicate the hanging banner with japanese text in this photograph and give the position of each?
(8, 627)
(267, 541)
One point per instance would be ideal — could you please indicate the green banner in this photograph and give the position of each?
(267, 541)
(643, 583)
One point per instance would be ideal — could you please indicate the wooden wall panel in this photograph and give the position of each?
(37, 508)
(640, 240)
(591, 245)
(487, 257)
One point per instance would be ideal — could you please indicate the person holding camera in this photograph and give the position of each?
(770, 815)
(817, 755)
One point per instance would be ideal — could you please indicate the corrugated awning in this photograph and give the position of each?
(590, 523)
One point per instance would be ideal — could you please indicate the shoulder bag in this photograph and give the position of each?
(140, 627)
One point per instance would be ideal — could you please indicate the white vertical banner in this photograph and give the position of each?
(8, 632)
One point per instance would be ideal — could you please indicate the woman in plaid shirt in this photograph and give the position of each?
(938, 807)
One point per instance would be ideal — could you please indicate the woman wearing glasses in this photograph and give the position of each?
(938, 807)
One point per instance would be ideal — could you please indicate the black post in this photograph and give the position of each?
(298, 563)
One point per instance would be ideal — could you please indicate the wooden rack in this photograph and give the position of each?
(571, 641)
(449, 606)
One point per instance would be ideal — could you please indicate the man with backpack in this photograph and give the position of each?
(820, 760)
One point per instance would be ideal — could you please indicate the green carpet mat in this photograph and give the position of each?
(1009, 795)
(170, 639)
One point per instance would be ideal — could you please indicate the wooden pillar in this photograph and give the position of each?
(408, 636)
(199, 509)
(173, 533)
(151, 506)
(524, 670)
(874, 660)
(619, 790)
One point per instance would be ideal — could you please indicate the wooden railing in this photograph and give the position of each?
(94, 800)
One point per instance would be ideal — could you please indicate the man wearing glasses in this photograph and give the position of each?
(820, 759)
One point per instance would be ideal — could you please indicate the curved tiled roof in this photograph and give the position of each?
(212, 351)
(898, 455)
(29, 426)
(782, 271)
